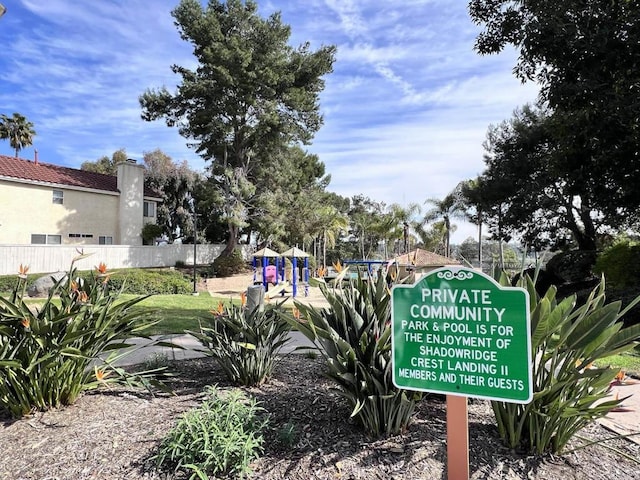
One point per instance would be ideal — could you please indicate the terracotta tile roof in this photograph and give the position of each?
(54, 174)
(47, 173)
(423, 258)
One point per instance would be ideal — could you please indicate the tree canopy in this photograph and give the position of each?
(250, 96)
(175, 183)
(447, 209)
(18, 130)
(106, 165)
(526, 190)
(585, 55)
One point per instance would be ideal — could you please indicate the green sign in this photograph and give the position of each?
(457, 331)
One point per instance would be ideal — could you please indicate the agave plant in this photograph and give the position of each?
(569, 391)
(354, 336)
(46, 352)
(245, 343)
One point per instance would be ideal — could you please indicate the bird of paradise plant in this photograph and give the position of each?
(46, 353)
(354, 337)
(565, 340)
(245, 344)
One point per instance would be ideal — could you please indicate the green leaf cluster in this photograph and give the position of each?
(46, 352)
(132, 281)
(245, 343)
(620, 264)
(219, 438)
(151, 282)
(18, 130)
(354, 336)
(227, 265)
(569, 392)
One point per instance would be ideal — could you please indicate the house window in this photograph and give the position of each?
(105, 240)
(149, 209)
(38, 239)
(58, 197)
(43, 239)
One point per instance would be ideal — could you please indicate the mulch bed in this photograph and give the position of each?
(113, 433)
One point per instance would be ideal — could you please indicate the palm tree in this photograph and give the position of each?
(403, 221)
(333, 222)
(446, 209)
(471, 197)
(432, 237)
(18, 130)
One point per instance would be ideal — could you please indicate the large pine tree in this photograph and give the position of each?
(250, 95)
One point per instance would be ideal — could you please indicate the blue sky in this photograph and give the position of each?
(405, 111)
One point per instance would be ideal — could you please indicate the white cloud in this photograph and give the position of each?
(406, 109)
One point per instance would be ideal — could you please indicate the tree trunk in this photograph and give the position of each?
(324, 247)
(500, 249)
(447, 226)
(480, 244)
(232, 241)
(585, 237)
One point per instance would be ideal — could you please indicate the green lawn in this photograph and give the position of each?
(184, 312)
(177, 312)
(627, 362)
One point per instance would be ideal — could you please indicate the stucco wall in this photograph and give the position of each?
(28, 209)
(131, 186)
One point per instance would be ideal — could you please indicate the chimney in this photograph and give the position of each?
(35, 160)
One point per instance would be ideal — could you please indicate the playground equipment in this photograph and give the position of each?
(295, 253)
(275, 274)
(269, 275)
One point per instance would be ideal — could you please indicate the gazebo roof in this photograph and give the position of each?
(266, 252)
(424, 258)
(295, 252)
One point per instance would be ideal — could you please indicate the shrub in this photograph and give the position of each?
(150, 231)
(225, 266)
(354, 336)
(620, 265)
(8, 282)
(288, 435)
(133, 281)
(45, 354)
(151, 282)
(221, 437)
(568, 393)
(245, 344)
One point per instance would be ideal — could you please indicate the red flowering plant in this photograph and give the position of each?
(47, 352)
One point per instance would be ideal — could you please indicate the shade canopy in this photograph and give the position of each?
(295, 252)
(266, 252)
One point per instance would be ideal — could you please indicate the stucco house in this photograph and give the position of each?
(42, 203)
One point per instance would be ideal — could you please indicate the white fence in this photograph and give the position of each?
(53, 258)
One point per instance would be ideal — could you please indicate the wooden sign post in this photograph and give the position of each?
(457, 438)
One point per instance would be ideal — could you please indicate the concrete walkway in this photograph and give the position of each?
(146, 351)
(626, 419)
